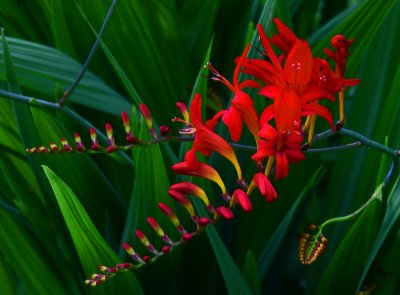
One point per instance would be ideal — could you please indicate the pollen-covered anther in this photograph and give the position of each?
(93, 136)
(144, 240)
(296, 66)
(78, 141)
(128, 248)
(66, 146)
(111, 142)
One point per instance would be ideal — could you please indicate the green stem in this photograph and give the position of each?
(34, 102)
(89, 58)
(375, 196)
(361, 140)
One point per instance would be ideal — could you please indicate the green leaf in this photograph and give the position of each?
(150, 186)
(6, 279)
(270, 251)
(352, 253)
(40, 68)
(25, 258)
(234, 280)
(90, 246)
(250, 272)
(59, 28)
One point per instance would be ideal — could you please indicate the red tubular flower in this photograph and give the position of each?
(79, 145)
(224, 212)
(206, 140)
(265, 186)
(189, 188)
(127, 126)
(93, 136)
(242, 107)
(190, 166)
(111, 142)
(285, 147)
(181, 199)
(324, 76)
(289, 86)
(296, 96)
(285, 39)
(240, 197)
(339, 56)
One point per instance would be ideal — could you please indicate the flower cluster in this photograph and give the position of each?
(293, 82)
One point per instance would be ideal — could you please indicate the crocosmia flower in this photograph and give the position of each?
(285, 147)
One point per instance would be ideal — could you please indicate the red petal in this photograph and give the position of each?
(282, 166)
(299, 64)
(224, 212)
(195, 110)
(245, 107)
(314, 92)
(286, 38)
(249, 83)
(268, 132)
(263, 70)
(267, 115)
(315, 108)
(265, 186)
(267, 47)
(237, 68)
(270, 91)
(287, 110)
(242, 199)
(234, 123)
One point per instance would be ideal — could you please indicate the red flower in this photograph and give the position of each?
(290, 86)
(339, 56)
(242, 107)
(206, 140)
(285, 39)
(265, 186)
(191, 166)
(285, 147)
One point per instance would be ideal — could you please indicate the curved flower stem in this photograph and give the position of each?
(377, 195)
(84, 67)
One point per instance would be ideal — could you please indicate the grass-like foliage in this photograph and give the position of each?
(84, 192)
